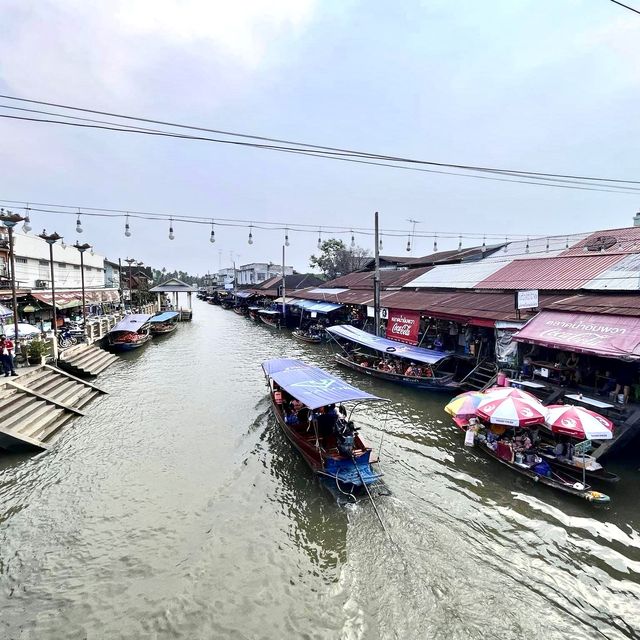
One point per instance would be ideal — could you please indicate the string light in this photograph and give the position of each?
(353, 241)
(286, 238)
(171, 234)
(78, 224)
(546, 248)
(484, 244)
(26, 227)
(380, 244)
(212, 237)
(566, 243)
(319, 239)
(250, 241)
(506, 242)
(459, 243)
(435, 244)
(526, 249)
(409, 243)
(127, 229)
(62, 242)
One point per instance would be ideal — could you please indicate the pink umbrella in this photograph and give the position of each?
(511, 411)
(578, 422)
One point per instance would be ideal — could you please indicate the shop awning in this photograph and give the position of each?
(70, 299)
(603, 335)
(318, 307)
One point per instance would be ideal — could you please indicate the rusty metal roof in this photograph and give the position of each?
(559, 273)
(609, 241)
(622, 305)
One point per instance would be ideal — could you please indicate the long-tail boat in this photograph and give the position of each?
(132, 332)
(163, 323)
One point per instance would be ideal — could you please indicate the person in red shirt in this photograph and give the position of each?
(6, 356)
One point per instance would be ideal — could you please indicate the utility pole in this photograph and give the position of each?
(10, 220)
(376, 279)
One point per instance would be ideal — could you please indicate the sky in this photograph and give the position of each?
(541, 85)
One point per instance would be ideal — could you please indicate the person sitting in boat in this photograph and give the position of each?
(296, 405)
(291, 418)
(382, 365)
(326, 418)
(411, 370)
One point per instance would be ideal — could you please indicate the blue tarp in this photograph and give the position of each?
(244, 294)
(318, 307)
(164, 317)
(311, 385)
(131, 323)
(383, 345)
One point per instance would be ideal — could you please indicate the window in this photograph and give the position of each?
(75, 266)
(44, 263)
(24, 261)
(62, 265)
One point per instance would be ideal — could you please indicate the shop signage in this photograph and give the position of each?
(384, 313)
(583, 447)
(527, 299)
(403, 326)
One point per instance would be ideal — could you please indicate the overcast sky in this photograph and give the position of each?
(543, 85)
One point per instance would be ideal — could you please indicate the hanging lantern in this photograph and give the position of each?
(526, 248)
(127, 229)
(250, 240)
(353, 241)
(78, 223)
(435, 244)
(212, 236)
(171, 234)
(319, 240)
(286, 237)
(484, 244)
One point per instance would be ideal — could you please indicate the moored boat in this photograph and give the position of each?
(303, 399)
(132, 332)
(163, 323)
(305, 336)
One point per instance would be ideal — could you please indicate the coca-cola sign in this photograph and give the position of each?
(403, 326)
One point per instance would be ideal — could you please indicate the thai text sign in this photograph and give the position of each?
(527, 299)
(606, 335)
(403, 326)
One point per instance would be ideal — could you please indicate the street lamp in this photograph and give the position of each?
(51, 239)
(10, 220)
(130, 261)
(82, 248)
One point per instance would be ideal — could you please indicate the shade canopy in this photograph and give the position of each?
(383, 345)
(24, 330)
(610, 336)
(578, 422)
(133, 322)
(312, 386)
(511, 411)
(166, 316)
(318, 307)
(465, 405)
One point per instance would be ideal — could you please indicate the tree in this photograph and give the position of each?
(336, 260)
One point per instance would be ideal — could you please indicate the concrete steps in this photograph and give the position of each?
(35, 405)
(86, 360)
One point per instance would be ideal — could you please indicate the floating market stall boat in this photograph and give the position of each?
(163, 323)
(313, 337)
(323, 435)
(131, 332)
(393, 361)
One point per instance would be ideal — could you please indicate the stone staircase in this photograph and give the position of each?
(481, 377)
(86, 360)
(35, 405)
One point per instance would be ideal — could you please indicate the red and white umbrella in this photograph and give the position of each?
(511, 411)
(510, 392)
(578, 422)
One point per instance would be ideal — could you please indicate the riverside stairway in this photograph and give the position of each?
(86, 360)
(37, 404)
(481, 377)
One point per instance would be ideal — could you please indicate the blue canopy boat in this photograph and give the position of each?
(130, 333)
(303, 399)
(164, 322)
(391, 360)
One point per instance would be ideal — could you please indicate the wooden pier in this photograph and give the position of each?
(36, 405)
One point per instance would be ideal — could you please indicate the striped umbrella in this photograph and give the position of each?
(510, 392)
(465, 405)
(578, 422)
(511, 411)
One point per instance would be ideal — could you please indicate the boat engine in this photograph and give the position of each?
(345, 436)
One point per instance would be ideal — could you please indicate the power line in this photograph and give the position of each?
(626, 6)
(313, 148)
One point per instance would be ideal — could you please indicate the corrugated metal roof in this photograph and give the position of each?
(548, 273)
(622, 276)
(627, 240)
(610, 304)
(537, 248)
(456, 276)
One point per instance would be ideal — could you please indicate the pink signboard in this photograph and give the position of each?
(604, 335)
(403, 326)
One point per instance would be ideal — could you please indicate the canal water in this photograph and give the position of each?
(176, 509)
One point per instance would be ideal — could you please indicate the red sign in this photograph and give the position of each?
(403, 326)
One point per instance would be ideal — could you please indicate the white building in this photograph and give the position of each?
(258, 272)
(33, 270)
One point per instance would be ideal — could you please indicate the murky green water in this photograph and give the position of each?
(176, 509)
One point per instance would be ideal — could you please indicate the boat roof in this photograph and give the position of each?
(311, 385)
(164, 317)
(269, 312)
(319, 307)
(132, 322)
(386, 346)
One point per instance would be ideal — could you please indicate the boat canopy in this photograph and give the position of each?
(310, 385)
(383, 345)
(166, 316)
(318, 307)
(132, 323)
(244, 294)
(269, 312)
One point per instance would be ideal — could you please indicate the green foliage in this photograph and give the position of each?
(336, 260)
(37, 348)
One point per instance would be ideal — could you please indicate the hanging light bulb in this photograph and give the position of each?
(409, 243)
(459, 243)
(92, 252)
(250, 241)
(62, 243)
(212, 237)
(506, 242)
(78, 223)
(319, 240)
(566, 244)
(380, 244)
(171, 234)
(353, 241)
(547, 246)
(127, 230)
(26, 227)
(484, 244)
(435, 244)
(286, 238)
(526, 248)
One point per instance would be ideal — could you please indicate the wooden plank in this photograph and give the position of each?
(47, 398)
(80, 380)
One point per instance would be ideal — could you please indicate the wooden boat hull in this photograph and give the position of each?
(270, 322)
(304, 338)
(437, 383)
(163, 331)
(121, 346)
(600, 474)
